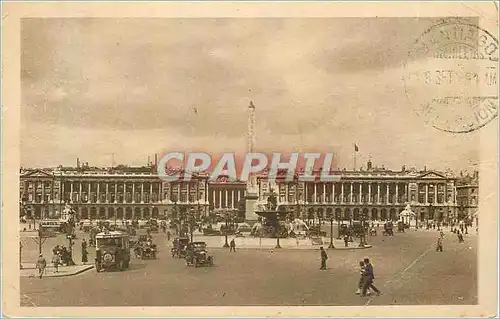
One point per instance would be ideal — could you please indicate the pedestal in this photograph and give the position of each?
(250, 208)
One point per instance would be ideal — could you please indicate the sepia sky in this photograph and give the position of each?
(135, 87)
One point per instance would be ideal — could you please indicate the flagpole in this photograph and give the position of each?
(354, 159)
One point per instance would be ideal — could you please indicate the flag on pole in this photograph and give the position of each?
(356, 149)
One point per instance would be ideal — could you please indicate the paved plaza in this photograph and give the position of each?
(408, 270)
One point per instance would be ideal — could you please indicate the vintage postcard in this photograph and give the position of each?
(224, 159)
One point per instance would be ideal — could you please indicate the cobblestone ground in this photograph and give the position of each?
(407, 268)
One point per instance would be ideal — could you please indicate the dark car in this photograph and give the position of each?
(210, 231)
(112, 251)
(180, 245)
(197, 255)
(358, 229)
(344, 230)
(144, 248)
(388, 229)
(316, 231)
(152, 225)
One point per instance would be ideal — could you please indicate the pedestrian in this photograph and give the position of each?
(324, 257)
(56, 250)
(439, 244)
(168, 236)
(441, 233)
(56, 260)
(368, 277)
(346, 241)
(84, 255)
(460, 237)
(41, 264)
(232, 246)
(84, 244)
(361, 278)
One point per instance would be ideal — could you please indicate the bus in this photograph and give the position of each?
(51, 227)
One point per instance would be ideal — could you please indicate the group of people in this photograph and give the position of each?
(367, 276)
(61, 255)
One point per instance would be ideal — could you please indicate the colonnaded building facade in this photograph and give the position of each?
(137, 192)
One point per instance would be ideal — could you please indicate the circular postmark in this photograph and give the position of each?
(451, 76)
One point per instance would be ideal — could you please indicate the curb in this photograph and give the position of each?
(75, 273)
(67, 274)
(295, 249)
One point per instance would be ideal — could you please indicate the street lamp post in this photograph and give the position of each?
(278, 229)
(177, 217)
(362, 240)
(191, 223)
(338, 225)
(331, 232)
(70, 239)
(429, 212)
(226, 229)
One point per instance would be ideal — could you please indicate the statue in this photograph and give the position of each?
(272, 202)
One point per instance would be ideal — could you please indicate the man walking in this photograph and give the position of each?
(439, 244)
(41, 264)
(232, 246)
(324, 257)
(368, 276)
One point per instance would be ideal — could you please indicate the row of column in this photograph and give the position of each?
(235, 193)
(435, 199)
(106, 192)
(34, 188)
(179, 186)
(360, 194)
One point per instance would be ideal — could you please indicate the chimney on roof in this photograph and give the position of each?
(425, 168)
(156, 160)
(77, 162)
(403, 168)
(149, 162)
(369, 165)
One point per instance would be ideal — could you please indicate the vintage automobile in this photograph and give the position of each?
(152, 225)
(211, 231)
(180, 244)
(344, 230)
(112, 251)
(315, 231)
(388, 229)
(146, 250)
(144, 247)
(197, 255)
(358, 229)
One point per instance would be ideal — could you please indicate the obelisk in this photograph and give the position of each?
(252, 188)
